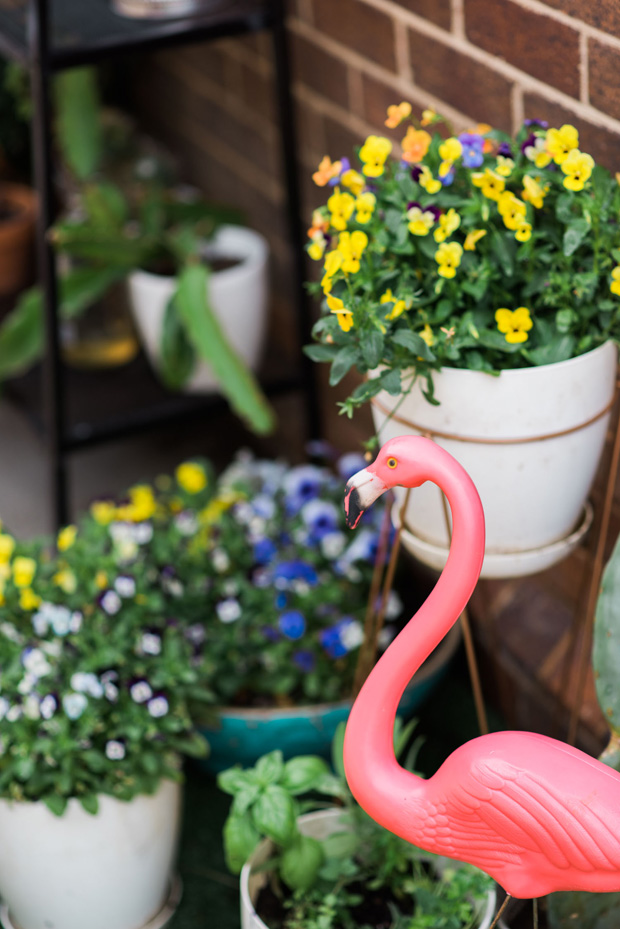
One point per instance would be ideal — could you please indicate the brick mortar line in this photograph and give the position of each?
(527, 82)
(534, 6)
(202, 86)
(457, 20)
(584, 70)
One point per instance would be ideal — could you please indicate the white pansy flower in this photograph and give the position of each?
(220, 560)
(115, 750)
(35, 662)
(228, 611)
(13, 713)
(150, 644)
(27, 683)
(394, 605)
(352, 635)
(332, 544)
(125, 586)
(186, 523)
(87, 682)
(4, 707)
(110, 602)
(48, 706)
(74, 705)
(31, 707)
(157, 707)
(76, 622)
(140, 691)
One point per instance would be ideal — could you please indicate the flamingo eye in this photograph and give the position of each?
(392, 462)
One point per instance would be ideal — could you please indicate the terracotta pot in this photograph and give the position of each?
(17, 233)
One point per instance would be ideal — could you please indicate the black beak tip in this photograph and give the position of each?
(352, 507)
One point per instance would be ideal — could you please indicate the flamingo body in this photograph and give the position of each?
(536, 814)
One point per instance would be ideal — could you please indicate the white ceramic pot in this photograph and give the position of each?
(108, 871)
(531, 439)
(319, 825)
(239, 296)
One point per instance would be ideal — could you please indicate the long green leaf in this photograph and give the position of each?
(176, 353)
(21, 335)
(236, 382)
(78, 123)
(83, 286)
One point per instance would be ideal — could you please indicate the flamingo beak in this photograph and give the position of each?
(360, 492)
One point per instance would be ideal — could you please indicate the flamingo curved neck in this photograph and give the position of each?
(376, 779)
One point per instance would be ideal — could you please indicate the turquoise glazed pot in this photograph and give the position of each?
(243, 735)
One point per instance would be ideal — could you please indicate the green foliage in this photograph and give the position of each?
(326, 879)
(530, 240)
(78, 122)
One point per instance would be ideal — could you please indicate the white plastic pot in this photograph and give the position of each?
(238, 295)
(531, 439)
(112, 870)
(319, 825)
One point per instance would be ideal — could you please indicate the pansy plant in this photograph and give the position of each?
(496, 252)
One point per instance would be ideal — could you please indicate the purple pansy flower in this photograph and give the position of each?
(305, 660)
(536, 122)
(504, 149)
(295, 571)
(264, 551)
(472, 144)
(292, 624)
(110, 602)
(271, 634)
(321, 517)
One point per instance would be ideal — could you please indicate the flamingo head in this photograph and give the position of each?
(399, 462)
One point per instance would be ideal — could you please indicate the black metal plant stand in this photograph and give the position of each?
(50, 35)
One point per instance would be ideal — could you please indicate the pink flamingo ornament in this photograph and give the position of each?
(534, 813)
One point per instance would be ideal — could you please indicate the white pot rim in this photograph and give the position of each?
(444, 651)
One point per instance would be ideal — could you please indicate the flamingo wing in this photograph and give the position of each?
(528, 812)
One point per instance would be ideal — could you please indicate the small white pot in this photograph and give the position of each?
(112, 870)
(531, 440)
(238, 295)
(319, 825)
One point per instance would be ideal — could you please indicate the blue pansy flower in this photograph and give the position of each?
(349, 464)
(305, 660)
(281, 601)
(292, 624)
(321, 518)
(472, 144)
(300, 485)
(296, 571)
(271, 634)
(331, 641)
(264, 551)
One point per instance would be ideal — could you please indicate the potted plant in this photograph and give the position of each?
(335, 867)
(96, 679)
(465, 280)
(257, 568)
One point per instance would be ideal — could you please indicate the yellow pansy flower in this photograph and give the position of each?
(66, 538)
(514, 324)
(24, 570)
(399, 305)
(326, 171)
(317, 249)
(523, 232)
(420, 221)
(450, 150)
(142, 503)
(578, 168)
(533, 192)
(191, 477)
(472, 237)
(343, 315)
(512, 210)
(537, 152)
(28, 600)
(426, 180)
(615, 283)
(491, 184)
(7, 547)
(415, 144)
(353, 181)
(428, 116)
(351, 246)
(374, 153)
(5, 571)
(396, 114)
(340, 206)
(103, 512)
(66, 580)
(365, 205)
(427, 335)
(448, 257)
(560, 142)
(448, 223)
(101, 580)
(504, 166)
(333, 263)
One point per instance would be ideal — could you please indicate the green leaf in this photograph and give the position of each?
(56, 804)
(106, 206)
(90, 803)
(232, 780)
(235, 380)
(574, 236)
(372, 349)
(340, 844)
(343, 362)
(338, 749)
(301, 862)
(21, 335)
(274, 814)
(269, 768)
(413, 343)
(321, 352)
(503, 252)
(177, 356)
(390, 381)
(303, 773)
(84, 286)
(78, 124)
(244, 799)
(240, 840)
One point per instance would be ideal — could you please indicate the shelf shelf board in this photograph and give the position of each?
(85, 32)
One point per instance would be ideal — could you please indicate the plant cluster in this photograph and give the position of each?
(323, 884)
(96, 675)
(260, 567)
(476, 250)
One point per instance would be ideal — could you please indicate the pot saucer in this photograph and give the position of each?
(158, 921)
(503, 564)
